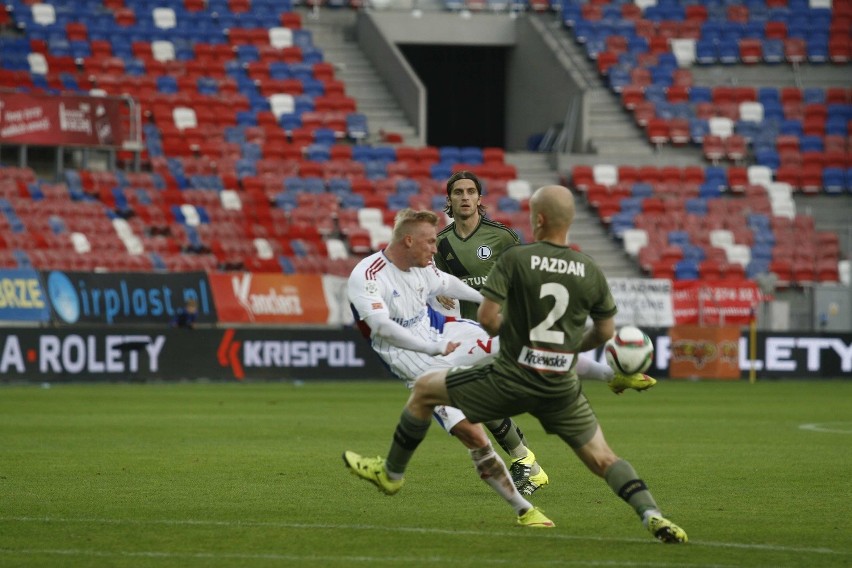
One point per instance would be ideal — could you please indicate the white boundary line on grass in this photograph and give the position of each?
(829, 427)
(395, 560)
(421, 530)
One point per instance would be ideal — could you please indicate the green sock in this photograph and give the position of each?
(625, 482)
(508, 436)
(409, 433)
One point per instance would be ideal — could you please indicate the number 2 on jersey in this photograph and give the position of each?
(543, 332)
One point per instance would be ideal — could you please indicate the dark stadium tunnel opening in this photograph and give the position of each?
(466, 92)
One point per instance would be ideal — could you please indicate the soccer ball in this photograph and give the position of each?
(629, 351)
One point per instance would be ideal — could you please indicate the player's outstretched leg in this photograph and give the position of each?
(637, 381)
(372, 470)
(627, 484)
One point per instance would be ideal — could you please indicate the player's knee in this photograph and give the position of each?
(426, 392)
(469, 434)
(600, 461)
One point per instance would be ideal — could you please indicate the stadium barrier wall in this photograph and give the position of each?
(139, 353)
(779, 354)
(133, 298)
(129, 353)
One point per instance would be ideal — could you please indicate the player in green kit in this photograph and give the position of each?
(538, 298)
(468, 246)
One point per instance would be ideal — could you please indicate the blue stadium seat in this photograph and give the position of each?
(768, 157)
(762, 251)
(710, 189)
(642, 189)
(440, 171)
(356, 126)
(756, 267)
(699, 94)
(773, 51)
(471, 155)
(686, 270)
(622, 221)
(811, 143)
(352, 201)
(318, 152)
(450, 154)
(698, 129)
(395, 202)
(696, 206)
(375, 169)
(407, 187)
(729, 51)
(833, 181)
(679, 238)
(817, 47)
(505, 204)
(167, 84)
(813, 95)
(692, 252)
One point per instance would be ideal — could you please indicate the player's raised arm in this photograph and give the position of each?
(382, 325)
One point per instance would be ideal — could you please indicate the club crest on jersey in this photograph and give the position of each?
(484, 252)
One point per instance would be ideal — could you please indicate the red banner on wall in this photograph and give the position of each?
(714, 302)
(704, 352)
(269, 298)
(60, 120)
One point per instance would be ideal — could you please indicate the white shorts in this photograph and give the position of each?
(475, 346)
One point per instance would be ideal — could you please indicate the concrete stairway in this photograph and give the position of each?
(587, 231)
(334, 33)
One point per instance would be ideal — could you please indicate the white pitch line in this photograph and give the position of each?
(394, 560)
(844, 428)
(420, 530)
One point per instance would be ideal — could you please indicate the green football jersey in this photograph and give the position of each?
(471, 259)
(547, 292)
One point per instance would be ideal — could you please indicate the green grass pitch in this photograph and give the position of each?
(176, 475)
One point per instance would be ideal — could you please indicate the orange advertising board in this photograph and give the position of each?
(704, 352)
(246, 297)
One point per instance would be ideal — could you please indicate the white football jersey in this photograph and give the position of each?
(377, 286)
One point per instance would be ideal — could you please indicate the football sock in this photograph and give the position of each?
(511, 439)
(492, 470)
(589, 369)
(409, 433)
(625, 482)
(508, 435)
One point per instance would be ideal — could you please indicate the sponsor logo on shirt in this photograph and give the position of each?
(542, 360)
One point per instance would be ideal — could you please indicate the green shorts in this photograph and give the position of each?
(483, 395)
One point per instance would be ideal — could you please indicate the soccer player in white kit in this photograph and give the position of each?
(389, 293)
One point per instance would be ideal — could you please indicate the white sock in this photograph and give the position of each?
(589, 369)
(492, 470)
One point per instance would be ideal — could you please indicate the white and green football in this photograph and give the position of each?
(629, 351)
